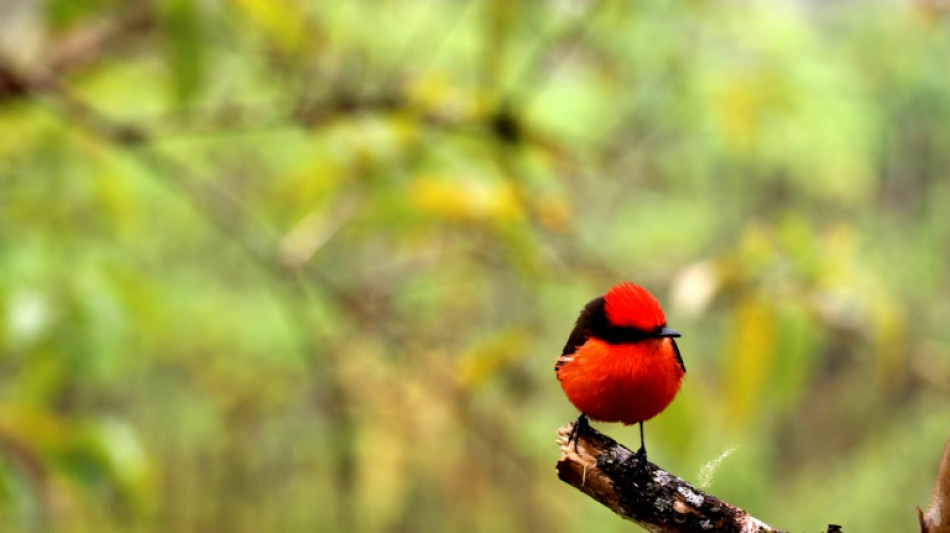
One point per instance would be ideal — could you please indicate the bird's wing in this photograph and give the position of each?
(578, 338)
(679, 358)
(580, 333)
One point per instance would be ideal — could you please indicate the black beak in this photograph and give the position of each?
(667, 332)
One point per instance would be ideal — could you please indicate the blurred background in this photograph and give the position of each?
(270, 265)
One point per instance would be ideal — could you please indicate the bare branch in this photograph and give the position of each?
(937, 519)
(650, 496)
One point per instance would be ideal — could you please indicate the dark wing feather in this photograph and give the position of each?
(679, 358)
(581, 331)
(578, 337)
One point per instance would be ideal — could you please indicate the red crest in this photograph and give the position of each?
(630, 305)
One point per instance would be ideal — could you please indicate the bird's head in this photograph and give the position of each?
(630, 306)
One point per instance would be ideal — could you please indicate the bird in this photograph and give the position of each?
(621, 362)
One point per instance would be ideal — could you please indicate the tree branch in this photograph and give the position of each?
(650, 496)
(937, 519)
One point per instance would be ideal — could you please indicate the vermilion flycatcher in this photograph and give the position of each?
(620, 363)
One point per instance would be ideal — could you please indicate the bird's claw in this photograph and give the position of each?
(580, 425)
(641, 460)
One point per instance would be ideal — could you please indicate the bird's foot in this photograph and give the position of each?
(640, 461)
(581, 425)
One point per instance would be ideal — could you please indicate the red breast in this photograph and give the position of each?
(627, 383)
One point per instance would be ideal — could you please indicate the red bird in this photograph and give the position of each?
(620, 363)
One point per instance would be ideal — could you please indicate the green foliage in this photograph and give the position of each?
(275, 265)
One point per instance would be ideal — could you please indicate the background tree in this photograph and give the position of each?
(266, 265)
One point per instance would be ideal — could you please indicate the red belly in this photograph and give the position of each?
(626, 383)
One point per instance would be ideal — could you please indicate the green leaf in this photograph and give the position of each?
(186, 46)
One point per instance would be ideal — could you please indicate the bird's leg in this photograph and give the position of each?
(580, 425)
(641, 454)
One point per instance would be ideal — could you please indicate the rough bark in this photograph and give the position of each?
(646, 494)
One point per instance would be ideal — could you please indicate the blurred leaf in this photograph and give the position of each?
(61, 13)
(553, 212)
(464, 199)
(282, 21)
(37, 430)
(799, 340)
(486, 359)
(749, 359)
(889, 339)
(186, 46)
(123, 460)
(27, 316)
(747, 101)
(437, 93)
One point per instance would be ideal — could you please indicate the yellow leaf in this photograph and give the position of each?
(487, 358)
(889, 340)
(279, 19)
(749, 357)
(436, 92)
(744, 104)
(464, 200)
